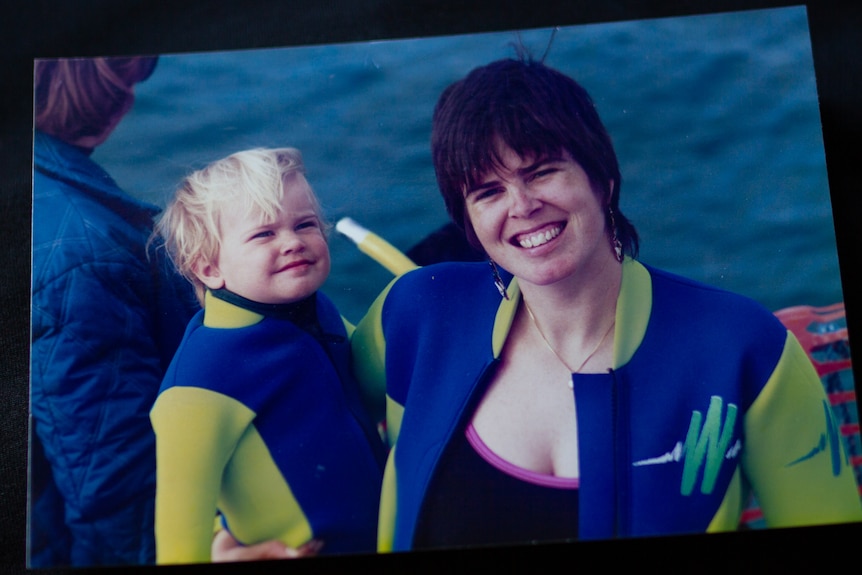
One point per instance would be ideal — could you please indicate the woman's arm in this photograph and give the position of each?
(794, 456)
(368, 347)
(226, 548)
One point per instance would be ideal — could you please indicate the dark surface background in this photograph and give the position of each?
(109, 27)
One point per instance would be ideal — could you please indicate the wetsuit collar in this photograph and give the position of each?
(227, 309)
(634, 305)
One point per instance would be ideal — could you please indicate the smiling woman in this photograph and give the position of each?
(533, 414)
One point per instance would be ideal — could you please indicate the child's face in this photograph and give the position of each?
(279, 261)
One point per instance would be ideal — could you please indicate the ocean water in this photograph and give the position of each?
(714, 118)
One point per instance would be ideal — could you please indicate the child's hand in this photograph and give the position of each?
(227, 549)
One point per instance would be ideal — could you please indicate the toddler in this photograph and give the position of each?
(259, 419)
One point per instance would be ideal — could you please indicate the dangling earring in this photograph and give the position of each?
(615, 240)
(498, 281)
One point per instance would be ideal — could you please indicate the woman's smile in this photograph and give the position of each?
(536, 238)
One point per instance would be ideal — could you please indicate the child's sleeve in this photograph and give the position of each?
(196, 433)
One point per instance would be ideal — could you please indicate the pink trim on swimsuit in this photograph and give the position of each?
(509, 468)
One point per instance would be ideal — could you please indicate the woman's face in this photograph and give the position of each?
(539, 218)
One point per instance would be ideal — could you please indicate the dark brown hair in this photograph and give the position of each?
(534, 110)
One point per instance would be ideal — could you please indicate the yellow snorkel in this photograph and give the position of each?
(375, 247)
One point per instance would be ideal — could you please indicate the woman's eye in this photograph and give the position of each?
(539, 174)
(485, 194)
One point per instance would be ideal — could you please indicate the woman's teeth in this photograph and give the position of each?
(540, 238)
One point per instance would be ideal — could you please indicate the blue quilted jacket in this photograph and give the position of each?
(106, 320)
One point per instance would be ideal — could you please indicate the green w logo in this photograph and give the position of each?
(706, 445)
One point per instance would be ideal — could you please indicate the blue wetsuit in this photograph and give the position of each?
(260, 419)
(709, 397)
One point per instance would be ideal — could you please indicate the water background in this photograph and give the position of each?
(714, 118)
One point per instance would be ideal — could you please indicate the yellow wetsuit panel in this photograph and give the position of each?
(793, 455)
(205, 443)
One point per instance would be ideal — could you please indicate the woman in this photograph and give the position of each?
(106, 319)
(572, 392)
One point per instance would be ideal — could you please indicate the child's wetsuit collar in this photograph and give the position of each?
(302, 313)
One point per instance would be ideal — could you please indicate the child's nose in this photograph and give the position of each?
(291, 242)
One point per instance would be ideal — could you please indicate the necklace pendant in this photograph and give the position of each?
(571, 382)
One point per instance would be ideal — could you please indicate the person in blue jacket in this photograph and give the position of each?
(567, 391)
(106, 319)
(259, 419)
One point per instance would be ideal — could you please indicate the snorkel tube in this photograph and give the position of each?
(375, 247)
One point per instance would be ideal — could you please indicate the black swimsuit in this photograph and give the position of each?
(477, 498)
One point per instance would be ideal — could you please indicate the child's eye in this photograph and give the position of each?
(307, 224)
(262, 234)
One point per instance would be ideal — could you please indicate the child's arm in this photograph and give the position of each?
(196, 432)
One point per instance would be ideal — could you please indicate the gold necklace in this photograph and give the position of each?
(571, 382)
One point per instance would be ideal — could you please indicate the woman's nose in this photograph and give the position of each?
(522, 202)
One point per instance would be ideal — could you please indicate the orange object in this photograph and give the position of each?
(817, 329)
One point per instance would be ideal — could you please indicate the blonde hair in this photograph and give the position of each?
(189, 225)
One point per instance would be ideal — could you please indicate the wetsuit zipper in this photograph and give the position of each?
(622, 491)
